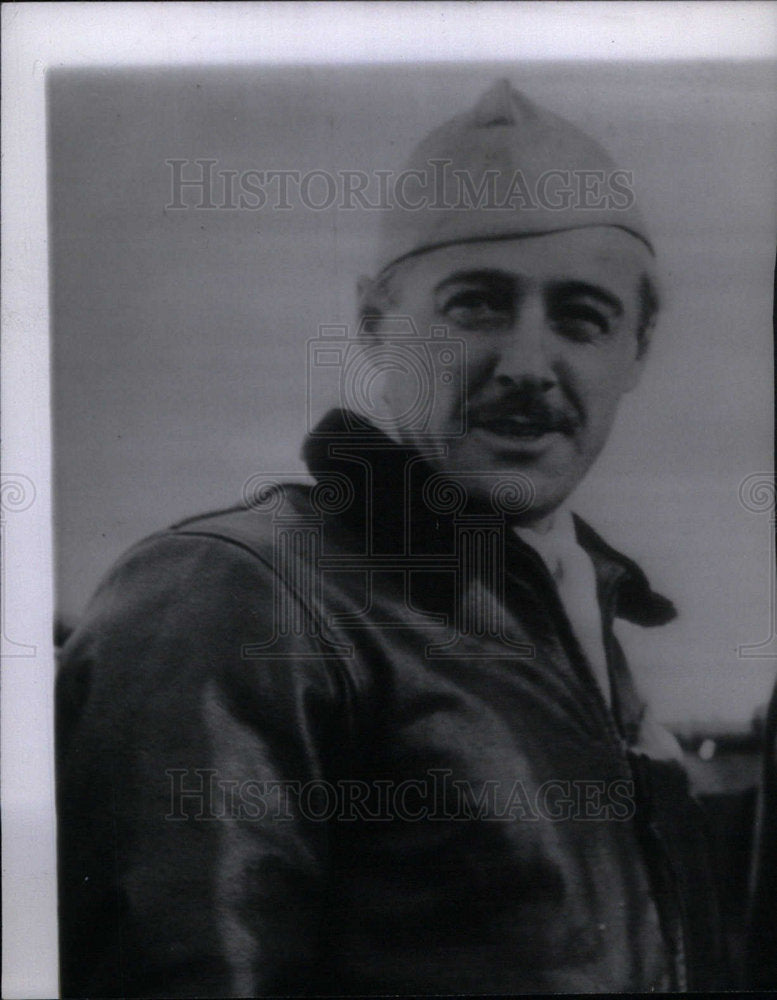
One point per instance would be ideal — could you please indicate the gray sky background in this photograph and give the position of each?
(179, 337)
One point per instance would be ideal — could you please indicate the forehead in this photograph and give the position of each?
(600, 255)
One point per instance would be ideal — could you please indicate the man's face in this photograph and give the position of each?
(549, 326)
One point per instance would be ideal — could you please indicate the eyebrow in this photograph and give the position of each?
(582, 289)
(558, 289)
(484, 274)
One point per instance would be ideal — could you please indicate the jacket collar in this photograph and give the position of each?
(389, 482)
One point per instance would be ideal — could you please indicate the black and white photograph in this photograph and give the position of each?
(393, 421)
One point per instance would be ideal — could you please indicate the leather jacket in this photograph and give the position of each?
(343, 740)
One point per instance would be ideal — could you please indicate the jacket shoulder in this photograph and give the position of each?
(187, 601)
(250, 526)
(221, 556)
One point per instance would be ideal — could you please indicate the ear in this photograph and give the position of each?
(648, 302)
(634, 374)
(365, 293)
(366, 306)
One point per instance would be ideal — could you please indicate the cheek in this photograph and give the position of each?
(627, 373)
(400, 390)
(477, 366)
(602, 384)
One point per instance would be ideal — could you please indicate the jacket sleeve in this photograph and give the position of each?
(187, 865)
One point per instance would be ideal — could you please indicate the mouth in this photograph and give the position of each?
(525, 429)
(521, 429)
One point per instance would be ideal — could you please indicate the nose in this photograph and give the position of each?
(526, 352)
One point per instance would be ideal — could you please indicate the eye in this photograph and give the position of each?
(478, 309)
(581, 322)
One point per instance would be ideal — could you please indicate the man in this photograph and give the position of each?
(762, 924)
(377, 735)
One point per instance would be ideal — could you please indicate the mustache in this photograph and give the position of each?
(528, 408)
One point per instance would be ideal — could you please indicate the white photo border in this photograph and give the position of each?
(40, 36)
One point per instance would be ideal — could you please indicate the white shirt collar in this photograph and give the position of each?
(556, 540)
(573, 572)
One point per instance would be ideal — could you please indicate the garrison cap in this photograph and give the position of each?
(506, 168)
